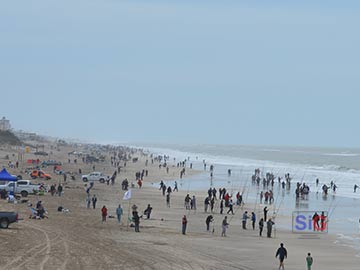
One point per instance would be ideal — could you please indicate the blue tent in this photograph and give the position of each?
(5, 176)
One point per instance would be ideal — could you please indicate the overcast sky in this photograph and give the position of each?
(239, 72)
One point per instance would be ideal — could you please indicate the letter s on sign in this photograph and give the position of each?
(300, 223)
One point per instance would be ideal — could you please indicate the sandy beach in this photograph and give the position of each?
(79, 240)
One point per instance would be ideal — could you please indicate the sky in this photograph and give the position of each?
(209, 72)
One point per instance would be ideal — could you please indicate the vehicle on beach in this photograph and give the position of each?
(51, 162)
(7, 218)
(40, 174)
(41, 153)
(95, 176)
(23, 187)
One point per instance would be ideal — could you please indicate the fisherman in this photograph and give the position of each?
(176, 187)
(208, 220)
(355, 187)
(282, 253)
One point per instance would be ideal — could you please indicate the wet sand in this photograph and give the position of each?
(78, 239)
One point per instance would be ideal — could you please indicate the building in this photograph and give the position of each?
(5, 124)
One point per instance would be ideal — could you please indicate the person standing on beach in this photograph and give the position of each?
(193, 203)
(282, 253)
(265, 213)
(168, 200)
(261, 226)
(88, 201)
(224, 226)
(104, 213)
(244, 219)
(59, 190)
(208, 220)
(187, 202)
(94, 200)
(206, 204)
(147, 211)
(221, 206)
(309, 261)
(136, 220)
(119, 213)
(184, 224)
(253, 220)
(269, 224)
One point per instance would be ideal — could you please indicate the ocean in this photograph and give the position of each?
(305, 164)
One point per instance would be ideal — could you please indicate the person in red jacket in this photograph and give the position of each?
(104, 213)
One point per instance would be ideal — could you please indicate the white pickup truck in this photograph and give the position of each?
(23, 187)
(95, 176)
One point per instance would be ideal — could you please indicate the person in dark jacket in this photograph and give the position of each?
(147, 211)
(282, 253)
(209, 219)
(184, 224)
(136, 220)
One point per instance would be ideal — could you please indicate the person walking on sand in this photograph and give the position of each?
(184, 224)
(94, 200)
(224, 226)
(104, 213)
(309, 261)
(230, 208)
(119, 213)
(282, 254)
(221, 207)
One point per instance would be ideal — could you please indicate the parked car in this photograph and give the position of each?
(40, 174)
(7, 218)
(95, 176)
(23, 187)
(41, 153)
(51, 162)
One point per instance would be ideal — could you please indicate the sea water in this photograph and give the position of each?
(342, 166)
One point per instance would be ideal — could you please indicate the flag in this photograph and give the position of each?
(127, 195)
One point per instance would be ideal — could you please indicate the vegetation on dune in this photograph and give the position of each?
(7, 137)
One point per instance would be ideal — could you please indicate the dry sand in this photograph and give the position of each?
(78, 240)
